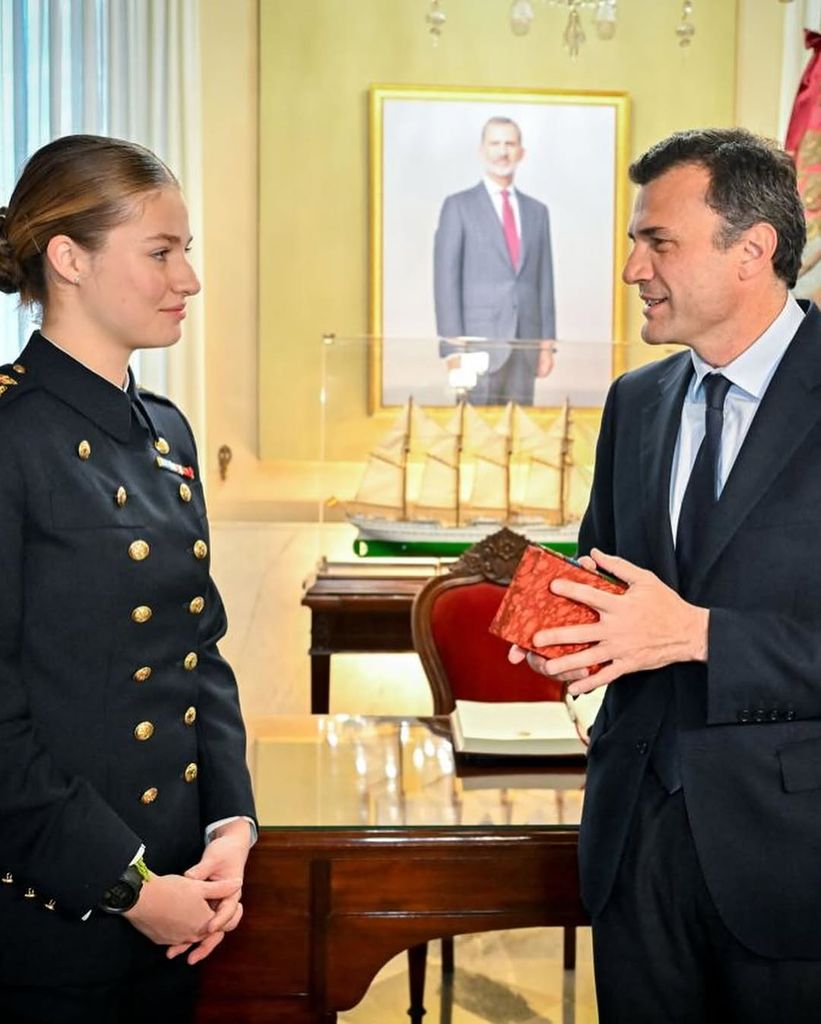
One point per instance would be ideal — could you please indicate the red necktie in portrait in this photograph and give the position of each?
(509, 227)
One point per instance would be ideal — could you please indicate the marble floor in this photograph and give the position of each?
(512, 977)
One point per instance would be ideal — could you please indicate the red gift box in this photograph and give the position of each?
(530, 605)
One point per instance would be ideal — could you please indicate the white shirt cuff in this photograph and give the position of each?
(211, 829)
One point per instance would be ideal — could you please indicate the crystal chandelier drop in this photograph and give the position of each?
(574, 36)
(604, 15)
(605, 19)
(436, 19)
(685, 30)
(521, 15)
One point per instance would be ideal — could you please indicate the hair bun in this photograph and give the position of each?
(10, 270)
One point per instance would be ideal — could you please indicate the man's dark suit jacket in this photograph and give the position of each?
(750, 720)
(477, 291)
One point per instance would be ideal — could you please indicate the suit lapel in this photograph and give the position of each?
(659, 431)
(489, 220)
(790, 408)
(525, 228)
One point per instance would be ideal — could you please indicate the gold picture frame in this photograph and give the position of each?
(423, 147)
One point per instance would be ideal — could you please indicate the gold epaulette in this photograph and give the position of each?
(11, 376)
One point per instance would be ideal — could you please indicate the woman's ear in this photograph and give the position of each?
(66, 259)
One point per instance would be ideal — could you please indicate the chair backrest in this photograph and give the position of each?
(450, 620)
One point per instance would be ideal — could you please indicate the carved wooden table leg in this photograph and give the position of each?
(417, 961)
(569, 949)
(320, 683)
(447, 956)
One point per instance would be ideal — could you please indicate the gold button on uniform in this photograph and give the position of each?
(7, 879)
(190, 772)
(196, 606)
(84, 450)
(138, 550)
(50, 905)
(142, 614)
(149, 796)
(200, 549)
(185, 492)
(144, 731)
(30, 894)
(19, 368)
(142, 674)
(162, 446)
(121, 497)
(190, 716)
(191, 661)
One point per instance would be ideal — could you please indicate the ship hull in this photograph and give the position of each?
(374, 528)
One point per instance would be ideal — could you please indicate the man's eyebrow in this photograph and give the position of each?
(648, 232)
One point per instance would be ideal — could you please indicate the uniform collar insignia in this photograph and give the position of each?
(91, 395)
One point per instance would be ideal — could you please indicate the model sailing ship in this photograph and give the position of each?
(459, 481)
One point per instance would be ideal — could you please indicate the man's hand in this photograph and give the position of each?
(174, 910)
(645, 628)
(547, 355)
(517, 654)
(223, 859)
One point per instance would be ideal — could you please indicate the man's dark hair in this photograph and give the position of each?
(752, 180)
(498, 119)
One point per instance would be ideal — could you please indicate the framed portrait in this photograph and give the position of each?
(448, 316)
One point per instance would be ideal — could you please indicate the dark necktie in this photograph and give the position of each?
(700, 495)
(696, 507)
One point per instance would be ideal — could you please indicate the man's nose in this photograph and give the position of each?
(636, 268)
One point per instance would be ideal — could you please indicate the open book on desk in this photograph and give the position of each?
(477, 772)
(515, 729)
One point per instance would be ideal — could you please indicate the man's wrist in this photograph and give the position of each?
(699, 642)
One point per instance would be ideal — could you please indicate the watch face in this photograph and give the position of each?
(121, 896)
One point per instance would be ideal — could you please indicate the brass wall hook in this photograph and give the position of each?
(224, 456)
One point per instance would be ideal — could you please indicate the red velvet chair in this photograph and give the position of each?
(462, 660)
(450, 619)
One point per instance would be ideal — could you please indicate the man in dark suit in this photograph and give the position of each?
(700, 848)
(493, 274)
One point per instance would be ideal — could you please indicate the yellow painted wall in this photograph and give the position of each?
(229, 39)
(317, 60)
(758, 71)
(287, 262)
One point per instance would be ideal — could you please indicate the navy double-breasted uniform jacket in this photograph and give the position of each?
(119, 721)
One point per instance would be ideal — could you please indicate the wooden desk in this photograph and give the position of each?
(357, 609)
(389, 853)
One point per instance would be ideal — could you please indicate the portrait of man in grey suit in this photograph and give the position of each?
(493, 275)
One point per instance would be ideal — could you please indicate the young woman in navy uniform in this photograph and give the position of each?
(126, 811)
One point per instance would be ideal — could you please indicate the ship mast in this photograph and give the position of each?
(564, 461)
(459, 446)
(405, 453)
